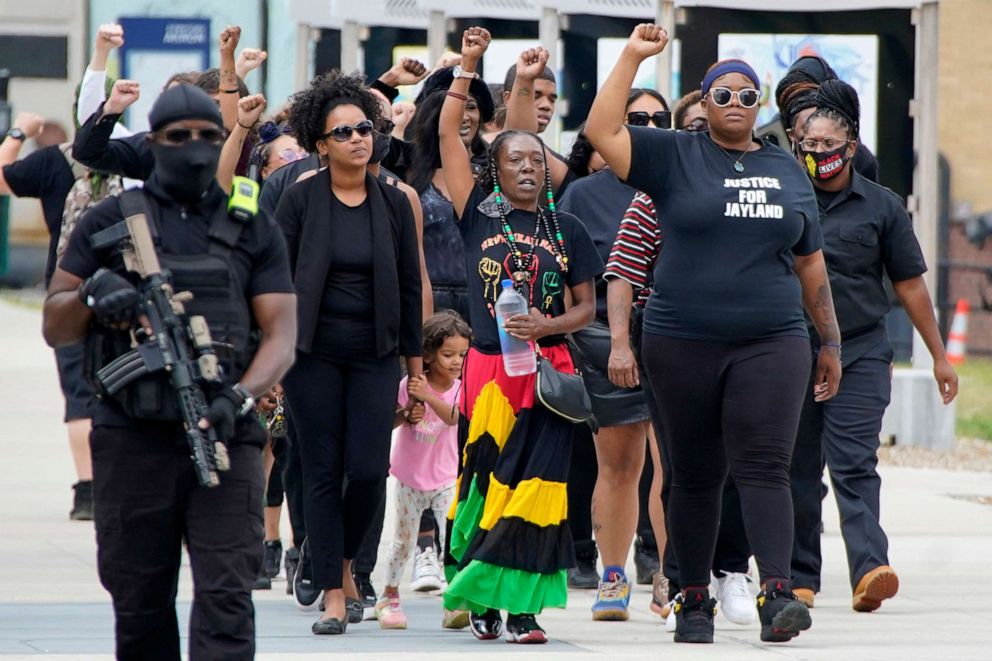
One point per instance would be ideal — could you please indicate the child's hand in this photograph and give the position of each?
(416, 414)
(417, 387)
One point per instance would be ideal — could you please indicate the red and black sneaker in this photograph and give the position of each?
(694, 612)
(782, 615)
(488, 626)
(523, 629)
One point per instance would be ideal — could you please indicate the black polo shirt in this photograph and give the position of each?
(867, 234)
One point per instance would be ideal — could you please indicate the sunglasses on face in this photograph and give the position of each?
(722, 96)
(696, 125)
(343, 133)
(182, 136)
(661, 119)
(290, 155)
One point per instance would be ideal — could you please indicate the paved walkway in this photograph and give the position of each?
(52, 605)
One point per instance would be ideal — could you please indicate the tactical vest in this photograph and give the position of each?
(218, 295)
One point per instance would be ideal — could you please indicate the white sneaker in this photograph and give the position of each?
(736, 598)
(426, 572)
(670, 618)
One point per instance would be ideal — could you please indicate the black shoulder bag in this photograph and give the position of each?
(563, 394)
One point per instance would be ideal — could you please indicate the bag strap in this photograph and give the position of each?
(224, 232)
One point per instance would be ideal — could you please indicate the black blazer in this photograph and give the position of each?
(304, 214)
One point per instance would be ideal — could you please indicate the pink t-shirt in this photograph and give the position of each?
(425, 455)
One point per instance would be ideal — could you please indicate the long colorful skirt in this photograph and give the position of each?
(509, 545)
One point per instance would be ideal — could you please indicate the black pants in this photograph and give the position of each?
(644, 530)
(274, 493)
(292, 480)
(582, 472)
(147, 503)
(368, 552)
(728, 404)
(843, 431)
(343, 412)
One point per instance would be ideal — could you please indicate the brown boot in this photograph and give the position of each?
(874, 587)
(804, 595)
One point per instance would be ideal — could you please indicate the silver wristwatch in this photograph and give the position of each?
(248, 400)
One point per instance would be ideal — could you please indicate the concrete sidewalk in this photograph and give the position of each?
(52, 605)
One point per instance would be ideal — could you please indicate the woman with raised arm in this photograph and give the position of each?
(725, 344)
(509, 546)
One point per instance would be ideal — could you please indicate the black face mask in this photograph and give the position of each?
(824, 166)
(380, 147)
(186, 172)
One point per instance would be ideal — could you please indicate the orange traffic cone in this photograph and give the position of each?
(958, 335)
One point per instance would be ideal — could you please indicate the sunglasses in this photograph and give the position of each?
(183, 136)
(697, 125)
(662, 119)
(343, 133)
(291, 155)
(386, 126)
(722, 96)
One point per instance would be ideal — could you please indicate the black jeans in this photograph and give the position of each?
(147, 502)
(733, 404)
(582, 471)
(844, 432)
(292, 480)
(343, 412)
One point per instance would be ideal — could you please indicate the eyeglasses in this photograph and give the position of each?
(722, 96)
(182, 136)
(343, 133)
(696, 125)
(828, 144)
(662, 119)
(386, 126)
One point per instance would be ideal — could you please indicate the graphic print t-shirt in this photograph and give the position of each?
(726, 271)
(488, 261)
(425, 455)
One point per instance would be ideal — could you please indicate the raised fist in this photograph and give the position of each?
(409, 71)
(250, 109)
(229, 39)
(248, 60)
(109, 36)
(646, 40)
(124, 93)
(531, 63)
(475, 41)
(30, 123)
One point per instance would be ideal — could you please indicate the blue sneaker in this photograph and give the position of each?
(612, 599)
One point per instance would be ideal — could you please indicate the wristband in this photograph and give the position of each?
(460, 97)
(835, 345)
(247, 128)
(234, 91)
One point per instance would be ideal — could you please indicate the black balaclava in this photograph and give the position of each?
(185, 172)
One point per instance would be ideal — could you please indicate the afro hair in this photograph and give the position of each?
(309, 108)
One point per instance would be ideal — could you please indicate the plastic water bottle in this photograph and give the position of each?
(518, 356)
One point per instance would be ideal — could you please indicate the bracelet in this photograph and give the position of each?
(234, 91)
(460, 97)
(834, 345)
(247, 128)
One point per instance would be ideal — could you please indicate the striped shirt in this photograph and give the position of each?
(636, 248)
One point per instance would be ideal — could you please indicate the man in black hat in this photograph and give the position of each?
(147, 499)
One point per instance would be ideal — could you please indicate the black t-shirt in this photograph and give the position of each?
(259, 259)
(346, 321)
(726, 271)
(600, 202)
(46, 175)
(867, 234)
(444, 254)
(488, 261)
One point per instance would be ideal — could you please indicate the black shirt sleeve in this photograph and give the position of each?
(129, 157)
(28, 177)
(471, 211)
(289, 218)
(389, 92)
(901, 252)
(408, 270)
(584, 262)
(652, 158)
(270, 268)
(811, 239)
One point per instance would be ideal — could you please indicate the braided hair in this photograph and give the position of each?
(794, 99)
(838, 101)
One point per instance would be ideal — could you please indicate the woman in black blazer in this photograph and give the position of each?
(353, 251)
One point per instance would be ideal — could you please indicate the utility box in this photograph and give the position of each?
(917, 415)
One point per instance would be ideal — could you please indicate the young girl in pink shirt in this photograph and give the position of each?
(424, 458)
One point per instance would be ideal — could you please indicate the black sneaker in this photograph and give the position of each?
(262, 582)
(645, 561)
(291, 562)
(367, 593)
(488, 626)
(272, 558)
(694, 611)
(82, 501)
(782, 615)
(304, 591)
(523, 629)
(583, 576)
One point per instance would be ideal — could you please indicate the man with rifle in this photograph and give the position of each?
(185, 300)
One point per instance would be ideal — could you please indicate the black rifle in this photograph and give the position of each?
(167, 339)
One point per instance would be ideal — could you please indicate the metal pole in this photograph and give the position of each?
(437, 36)
(350, 45)
(665, 17)
(925, 139)
(301, 77)
(549, 33)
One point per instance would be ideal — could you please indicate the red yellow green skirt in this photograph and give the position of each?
(508, 544)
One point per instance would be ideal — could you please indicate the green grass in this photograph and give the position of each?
(15, 297)
(975, 398)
